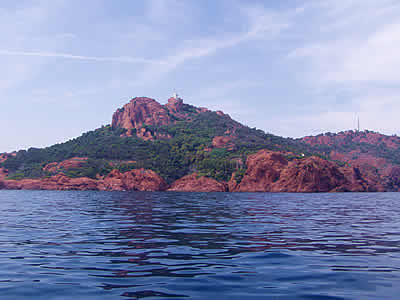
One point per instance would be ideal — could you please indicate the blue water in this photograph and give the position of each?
(120, 245)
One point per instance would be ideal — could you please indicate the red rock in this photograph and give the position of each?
(224, 142)
(372, 167)
(134, 180)
(263, 169)
(174, 105)
(137, 180)
(393, 179)
(355, 156)
(113, 182)
(3, 157)
(358, 181)
(140, 111)
(75, 162)
(146, 111)
(232, 183)
(57, 182)
(3, 173)
(194, 183)
(144, 180)
(269, 171)
(309, 175)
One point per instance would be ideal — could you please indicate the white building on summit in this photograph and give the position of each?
(175, 95)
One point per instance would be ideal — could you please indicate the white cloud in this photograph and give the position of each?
(261, 24)
(377, 112)
(360, 42)
(17, 30)
(352, 45)
(121, 59)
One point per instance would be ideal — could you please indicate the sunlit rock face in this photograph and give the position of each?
(195, 183)
(269, 171)
(134, 180)
(138, 112)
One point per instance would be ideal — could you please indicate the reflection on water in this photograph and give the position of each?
(108, 245)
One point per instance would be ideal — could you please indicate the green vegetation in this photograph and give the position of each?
(171, 158)
(346, 144)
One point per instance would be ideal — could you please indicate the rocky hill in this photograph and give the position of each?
(180, 147)
(369, 151)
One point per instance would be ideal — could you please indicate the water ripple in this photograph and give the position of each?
(108, 245)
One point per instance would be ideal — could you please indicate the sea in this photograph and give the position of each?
(167, 245)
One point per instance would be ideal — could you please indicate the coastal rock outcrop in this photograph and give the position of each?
(134, 180)
(269, 171)
(357, 181)
(311, 174)
(263, 169)
(196, 183)
(57, 182)
(393, 179)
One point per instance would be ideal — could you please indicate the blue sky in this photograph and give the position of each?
(288, 67)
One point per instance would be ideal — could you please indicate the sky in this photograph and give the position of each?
(291, 68)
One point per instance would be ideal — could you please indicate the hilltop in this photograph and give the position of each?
(367, 150)
(177, 146)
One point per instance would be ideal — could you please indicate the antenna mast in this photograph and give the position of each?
(358, 124)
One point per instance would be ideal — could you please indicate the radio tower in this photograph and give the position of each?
(358, 124)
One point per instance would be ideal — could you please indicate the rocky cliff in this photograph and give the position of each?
(195, 183)
(375, 155)
(134, 180)
(272, 172)
(142, 111)
(138, 112)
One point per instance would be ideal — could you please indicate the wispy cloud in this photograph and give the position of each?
(311, 66)
(80, 57)
(360, 42)
(260, 24)
(351, 45)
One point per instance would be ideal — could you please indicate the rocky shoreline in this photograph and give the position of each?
(267, 171)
